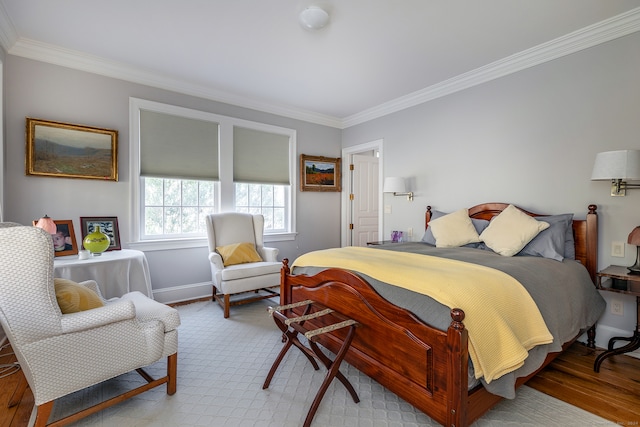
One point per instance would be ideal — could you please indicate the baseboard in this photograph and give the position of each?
(182, 293)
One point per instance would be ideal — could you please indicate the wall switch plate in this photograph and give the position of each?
(387, 209)
(617, 249)
(409, 232)
(617, 307)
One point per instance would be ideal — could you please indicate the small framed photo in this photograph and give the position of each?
(64, 241)
(108, 225)
(319, 173)
(66, 150)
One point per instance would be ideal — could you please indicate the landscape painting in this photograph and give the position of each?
(319, 173)
(65, 150)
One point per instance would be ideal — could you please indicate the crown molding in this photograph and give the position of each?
(593, 35)
(68, 58)
(8, 34)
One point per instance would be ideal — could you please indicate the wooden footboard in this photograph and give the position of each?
(424, 366)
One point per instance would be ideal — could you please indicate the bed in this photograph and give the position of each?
(427, 362)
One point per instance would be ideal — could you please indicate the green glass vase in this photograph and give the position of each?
(96, 242)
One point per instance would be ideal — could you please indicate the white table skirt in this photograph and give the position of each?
(117, 272)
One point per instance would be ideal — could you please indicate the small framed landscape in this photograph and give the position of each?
(108, 225)
(319, 173)
(66, 150)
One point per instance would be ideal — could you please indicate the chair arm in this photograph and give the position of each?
(270, 254)
(216, 260)
(111, 313)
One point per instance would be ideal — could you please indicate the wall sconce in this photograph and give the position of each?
(617, 166)
(396, 186)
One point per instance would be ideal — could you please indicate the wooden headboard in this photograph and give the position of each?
(585, 231)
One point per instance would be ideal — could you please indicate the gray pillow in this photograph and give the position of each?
(550, 243)
(479, 224)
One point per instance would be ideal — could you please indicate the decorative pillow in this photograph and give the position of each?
(73, 297)
(453, 230)
(511, 230)
(479, 224)
(550, 243)
(238, 253)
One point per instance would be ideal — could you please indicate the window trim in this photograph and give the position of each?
(225, 197)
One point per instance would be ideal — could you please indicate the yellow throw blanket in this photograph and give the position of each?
(502, 320)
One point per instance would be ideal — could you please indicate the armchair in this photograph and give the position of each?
(225, 229)
(63, 353)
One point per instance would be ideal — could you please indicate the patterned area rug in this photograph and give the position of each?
(222, 364)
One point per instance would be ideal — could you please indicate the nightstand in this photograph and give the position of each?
(620, 280)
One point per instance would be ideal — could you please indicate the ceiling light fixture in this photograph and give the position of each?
(314, 18)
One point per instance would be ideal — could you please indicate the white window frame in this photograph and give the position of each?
(225, 187)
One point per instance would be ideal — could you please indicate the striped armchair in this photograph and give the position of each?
(63, 353)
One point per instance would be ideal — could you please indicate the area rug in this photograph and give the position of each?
(222, 364)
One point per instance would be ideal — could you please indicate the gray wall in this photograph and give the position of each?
(40, 90)
(529, 138)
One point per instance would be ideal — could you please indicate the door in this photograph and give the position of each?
(364, 199)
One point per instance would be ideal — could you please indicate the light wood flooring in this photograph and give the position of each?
(613, 394)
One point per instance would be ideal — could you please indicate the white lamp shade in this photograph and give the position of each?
(620, 164)
(314, 18)
(393, 184)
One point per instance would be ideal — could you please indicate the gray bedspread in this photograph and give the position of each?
(563, 292)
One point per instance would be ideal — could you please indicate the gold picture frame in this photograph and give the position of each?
(65, 150)
(319, 173)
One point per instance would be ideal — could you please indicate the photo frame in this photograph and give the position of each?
(319, 173)
(108, 225)
(64, 150)
(64, 241)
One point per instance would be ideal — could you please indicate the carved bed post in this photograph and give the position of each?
(458, 380)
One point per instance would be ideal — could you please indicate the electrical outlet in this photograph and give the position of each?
(617, 249)
(617, 307)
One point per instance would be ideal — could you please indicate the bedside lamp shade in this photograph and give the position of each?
(618, 167)
(47, 224)
(634, 239)
(397, 186)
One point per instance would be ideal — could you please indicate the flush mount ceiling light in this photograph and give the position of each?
(314, 18)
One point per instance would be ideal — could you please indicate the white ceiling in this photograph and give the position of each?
(374, 56)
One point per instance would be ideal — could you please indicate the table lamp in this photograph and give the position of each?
(47, 224)
(634, 239)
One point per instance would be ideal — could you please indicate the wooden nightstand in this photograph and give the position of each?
(620, 280)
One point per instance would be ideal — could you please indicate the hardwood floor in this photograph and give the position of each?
(613, 394)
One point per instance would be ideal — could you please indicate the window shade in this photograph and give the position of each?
(178, 147)
(260, 157)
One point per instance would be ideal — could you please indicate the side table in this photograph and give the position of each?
(622, 281)
(117, 272)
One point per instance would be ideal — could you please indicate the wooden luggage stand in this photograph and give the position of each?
(291, 326)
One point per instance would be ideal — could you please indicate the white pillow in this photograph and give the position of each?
(511, 230)
(454, 229)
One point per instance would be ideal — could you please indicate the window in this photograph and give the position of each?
(191, 163)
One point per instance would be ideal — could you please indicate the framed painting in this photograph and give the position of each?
(64, 240)
(65, 150)
(319, 173)
(108, 225)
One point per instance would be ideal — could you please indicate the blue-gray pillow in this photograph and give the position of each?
(479, 224)
(550, 243)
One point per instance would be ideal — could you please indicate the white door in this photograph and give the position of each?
(364, 199)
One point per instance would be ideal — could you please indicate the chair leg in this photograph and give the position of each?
(42, 414)
(227, 303)
(172, 374)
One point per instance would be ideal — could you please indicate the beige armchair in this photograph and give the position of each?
(252, 274)
(63, 353)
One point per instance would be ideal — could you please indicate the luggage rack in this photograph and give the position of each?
(291, 325)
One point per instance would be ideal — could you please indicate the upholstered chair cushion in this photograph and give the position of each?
(72, 297)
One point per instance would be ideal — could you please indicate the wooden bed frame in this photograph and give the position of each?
(425, 366)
